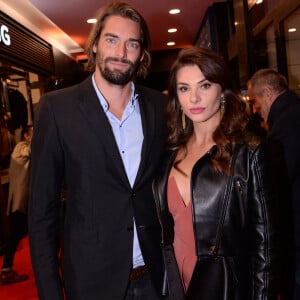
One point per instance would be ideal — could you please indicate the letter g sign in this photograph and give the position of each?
(4, 35)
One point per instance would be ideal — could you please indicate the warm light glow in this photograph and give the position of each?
(292, 29)
(91, 21)
(81, 57)
(259, 1)
(172, 30)
(174, 11)
(171, 43)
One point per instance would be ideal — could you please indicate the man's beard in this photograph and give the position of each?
(116, 76)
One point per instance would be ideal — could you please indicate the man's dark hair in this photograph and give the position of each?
(126, 11)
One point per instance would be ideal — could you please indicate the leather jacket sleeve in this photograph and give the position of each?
(263, 200)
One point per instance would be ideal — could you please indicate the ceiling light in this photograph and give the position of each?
(174, 11)
(259, 1)
(292, 29)
(172, 30)
(91, 21)
(170, 43)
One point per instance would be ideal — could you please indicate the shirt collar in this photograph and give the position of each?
(102, 100)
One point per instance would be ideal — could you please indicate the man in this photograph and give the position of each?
(257, 122)
(102, 140)
(17, 205)
(280, 107)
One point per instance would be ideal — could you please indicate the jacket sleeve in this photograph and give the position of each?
(172, 287)
(44, 204)
(263, 222)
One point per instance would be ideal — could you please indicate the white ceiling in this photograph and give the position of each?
(63, 22)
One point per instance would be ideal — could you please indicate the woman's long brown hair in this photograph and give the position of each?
(232, 128)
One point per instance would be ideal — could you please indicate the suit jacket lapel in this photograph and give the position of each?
(148, 121)
(98, 123)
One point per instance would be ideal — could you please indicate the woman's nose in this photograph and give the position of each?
(195, 97)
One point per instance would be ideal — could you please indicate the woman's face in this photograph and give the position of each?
(198, 97)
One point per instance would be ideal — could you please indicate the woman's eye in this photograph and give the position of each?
(206, 85)
(182, 89)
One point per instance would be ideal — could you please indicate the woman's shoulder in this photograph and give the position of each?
(250, 150)
(261, 152)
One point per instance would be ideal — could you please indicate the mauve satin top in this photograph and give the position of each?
(184, 242)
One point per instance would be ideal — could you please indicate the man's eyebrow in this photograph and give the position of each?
(111, 35)
(134, 40)
(116, 36)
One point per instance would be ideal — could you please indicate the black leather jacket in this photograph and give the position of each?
(248, 237)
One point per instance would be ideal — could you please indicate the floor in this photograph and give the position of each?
(25, 290)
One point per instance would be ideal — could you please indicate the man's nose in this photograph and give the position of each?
(121, 49)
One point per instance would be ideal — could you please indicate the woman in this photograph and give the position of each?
(215, 195)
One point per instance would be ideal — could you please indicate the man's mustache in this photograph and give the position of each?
(122, 60)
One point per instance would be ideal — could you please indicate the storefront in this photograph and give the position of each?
(23, 58)
(25, 61)
(265, 35)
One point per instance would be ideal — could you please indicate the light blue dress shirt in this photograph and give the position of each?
(129, 137)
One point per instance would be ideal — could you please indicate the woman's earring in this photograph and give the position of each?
(222, 105)
(183, 120)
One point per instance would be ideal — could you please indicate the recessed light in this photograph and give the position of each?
(172, 30)
(91, 21)
(170, 43)
(174, 11)
(292, 29)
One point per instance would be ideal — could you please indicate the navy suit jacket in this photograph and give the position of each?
(284, 127)
(73, 144)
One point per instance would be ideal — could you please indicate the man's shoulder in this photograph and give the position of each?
(71, 90)
(149, 92)
(287, 99)
(286, 108)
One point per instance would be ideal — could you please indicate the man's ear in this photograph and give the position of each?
(268, 92)
(94, 48)
(142, 56)
(269, 95)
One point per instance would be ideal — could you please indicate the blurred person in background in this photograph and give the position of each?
(18, 196)
(280, 108)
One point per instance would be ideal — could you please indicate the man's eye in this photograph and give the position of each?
(111, 40)
(133, 45)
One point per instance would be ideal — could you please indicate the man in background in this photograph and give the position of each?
(280, 107)
(19, 175)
